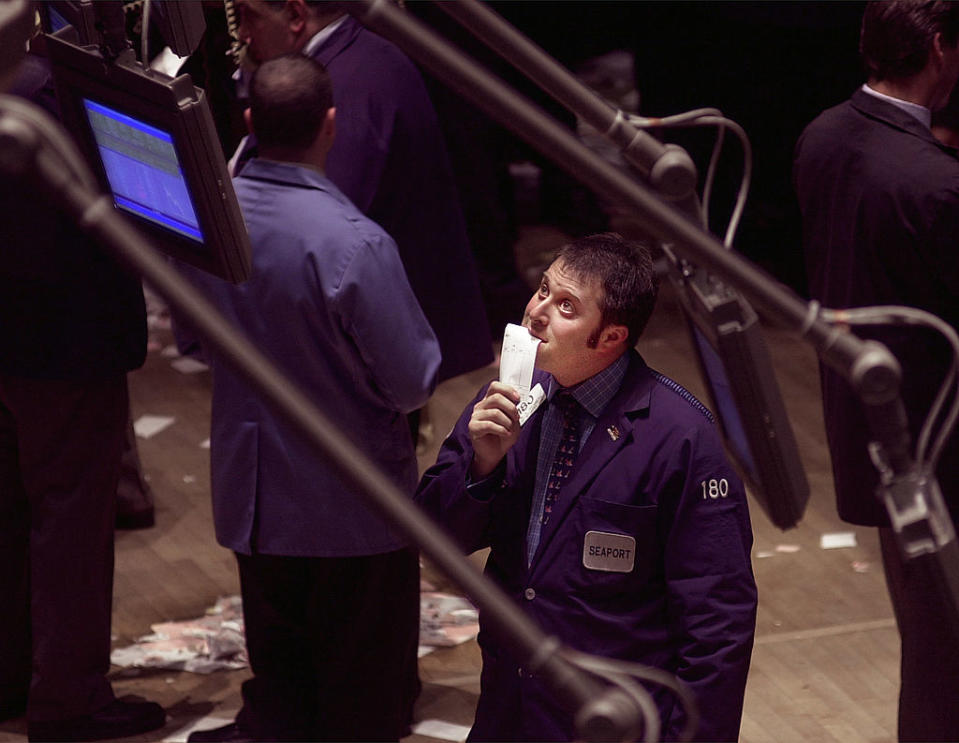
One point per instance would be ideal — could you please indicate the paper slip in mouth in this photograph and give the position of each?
(518, 358)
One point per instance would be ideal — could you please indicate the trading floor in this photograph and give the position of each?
(825, 663)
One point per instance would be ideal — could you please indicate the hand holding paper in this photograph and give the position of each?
(517, 361)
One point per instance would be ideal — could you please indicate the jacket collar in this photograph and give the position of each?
(287, 174)
(341, 38)
(876, 108)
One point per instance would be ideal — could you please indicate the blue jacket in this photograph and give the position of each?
(328, 302)
(652, 469)
(389, 159)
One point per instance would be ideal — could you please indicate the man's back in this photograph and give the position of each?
(389, 159)
(880, 203)
(325, 301)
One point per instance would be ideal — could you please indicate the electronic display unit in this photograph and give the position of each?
(80, 14)
(739, 376)
(151, 140)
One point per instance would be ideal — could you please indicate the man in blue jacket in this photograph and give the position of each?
(330, 588)
(634, 543)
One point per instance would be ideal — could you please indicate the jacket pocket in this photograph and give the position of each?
(614, 547)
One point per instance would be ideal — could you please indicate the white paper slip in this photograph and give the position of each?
(518, 358)
(149, 425)
(837, 540)
(204, 723)
(186, 365)
(528, 404)
(441, 729)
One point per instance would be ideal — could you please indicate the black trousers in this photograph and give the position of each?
(332, 644)
(929, 690)
(59, 461)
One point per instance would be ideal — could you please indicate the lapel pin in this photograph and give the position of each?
(613, 432)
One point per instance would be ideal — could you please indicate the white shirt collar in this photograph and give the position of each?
(242, 77)
(319, 38)
(920, 112)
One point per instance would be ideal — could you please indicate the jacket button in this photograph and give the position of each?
(530, 594)
(520, 671)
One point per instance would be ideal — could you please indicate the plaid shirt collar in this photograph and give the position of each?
(594, 394)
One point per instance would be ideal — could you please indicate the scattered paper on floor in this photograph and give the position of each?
(149, 425)
(446, 620)
(441, 729)
(217, 642)
(837, 540)
(186, 365)
(213, 642)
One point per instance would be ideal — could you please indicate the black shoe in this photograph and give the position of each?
(231, 733)
(118, 719)
(135, 519)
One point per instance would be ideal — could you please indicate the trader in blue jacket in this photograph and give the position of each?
(330, 588)
(613, 518)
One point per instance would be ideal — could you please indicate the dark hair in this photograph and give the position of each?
(625, 271)
(289, 99)
(896, 35)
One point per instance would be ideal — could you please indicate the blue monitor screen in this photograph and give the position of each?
(57, 21)
(143, 170)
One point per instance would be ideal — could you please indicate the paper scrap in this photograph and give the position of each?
(186, 365)
(441, 729)
(216, 641)
(149, 425)
(861, 566)
(203, 723)
(518, 358)
(528, 405)
(837, 540)
(761, 554)
(787, 548)
(170, 352)
(210, 643)
(446, 620)
(205, 444)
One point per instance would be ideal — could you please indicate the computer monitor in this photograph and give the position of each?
(736, 366)
(152, 143)
(80, 14)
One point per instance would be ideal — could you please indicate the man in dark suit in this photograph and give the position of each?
(634, 543)
(388, 159)
(880, 204)
(72, 324)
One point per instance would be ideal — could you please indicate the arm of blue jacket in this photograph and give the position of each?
(384, 319)
(711, 592)
(446, 493)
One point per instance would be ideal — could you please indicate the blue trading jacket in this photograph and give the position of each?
(653, 469)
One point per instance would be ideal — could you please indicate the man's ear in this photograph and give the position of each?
(248, 120)
(613, 335)
(328, 130)
(937, 52)
(297, 15)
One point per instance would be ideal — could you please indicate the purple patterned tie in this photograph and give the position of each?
(565, 453)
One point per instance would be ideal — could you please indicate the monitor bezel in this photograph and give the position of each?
(732, 329)
(177, 107)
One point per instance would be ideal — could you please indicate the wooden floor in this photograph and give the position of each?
(825, 665)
